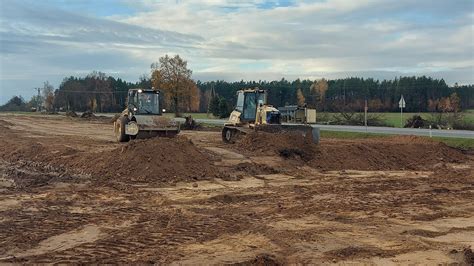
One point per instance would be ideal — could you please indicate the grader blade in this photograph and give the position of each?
(305, 131)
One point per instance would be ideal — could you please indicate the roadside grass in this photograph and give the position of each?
(458, 143)
(393, 119)
(194, 115)
(469, 116)
(350, 135)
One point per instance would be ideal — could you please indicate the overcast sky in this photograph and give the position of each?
(232, 40)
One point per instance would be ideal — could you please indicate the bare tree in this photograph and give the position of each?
(48, 96)
(300, 97)
(318, 93)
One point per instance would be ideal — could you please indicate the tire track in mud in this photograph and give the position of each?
(303, 212)
(23, 230)
(159, 230)
(154, 227)
(152, 238)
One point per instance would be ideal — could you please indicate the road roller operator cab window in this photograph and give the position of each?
(144, 102)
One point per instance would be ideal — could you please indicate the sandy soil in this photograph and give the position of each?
(66, 196)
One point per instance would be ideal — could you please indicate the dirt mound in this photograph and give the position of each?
(161, 160)
(379, 155)
(157, 160)
(468, 256)
(285, 144)
(71, 114)
(88, 115)
(393, 153)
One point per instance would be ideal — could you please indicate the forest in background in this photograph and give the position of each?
(101, 93)
(98, 92)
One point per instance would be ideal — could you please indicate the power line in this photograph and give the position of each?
(93, 92)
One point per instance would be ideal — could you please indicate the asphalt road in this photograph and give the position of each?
(401, 131)
(379, 130)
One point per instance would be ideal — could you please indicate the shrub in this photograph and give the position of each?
(416, 121)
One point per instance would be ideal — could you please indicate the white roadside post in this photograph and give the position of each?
(366, 108)
(402, 105)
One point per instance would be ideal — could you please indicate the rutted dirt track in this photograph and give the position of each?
(70, 194)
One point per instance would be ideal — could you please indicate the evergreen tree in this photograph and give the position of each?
(16, 103)
(214, 106)
(223, 108)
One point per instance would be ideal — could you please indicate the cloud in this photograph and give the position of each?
(41, 43)
(234, 40)
(344, 35)
(381, 39)
(44, 25)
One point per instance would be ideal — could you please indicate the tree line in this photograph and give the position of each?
(99, 92)
(420, 93)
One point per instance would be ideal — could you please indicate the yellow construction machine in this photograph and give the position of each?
(252, 113)
(143, 117)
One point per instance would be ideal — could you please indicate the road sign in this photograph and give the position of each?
(402, 103)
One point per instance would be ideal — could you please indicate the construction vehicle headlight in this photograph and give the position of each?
(135, 109)
(164, 110)
(140, 91)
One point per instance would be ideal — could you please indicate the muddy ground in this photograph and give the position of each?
(70, 194)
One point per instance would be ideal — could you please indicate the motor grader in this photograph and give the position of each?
(252, 113)
(143, 117)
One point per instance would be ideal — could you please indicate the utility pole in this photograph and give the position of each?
(344, 87)
(366, 108)
(211, 96)
(38, 107)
